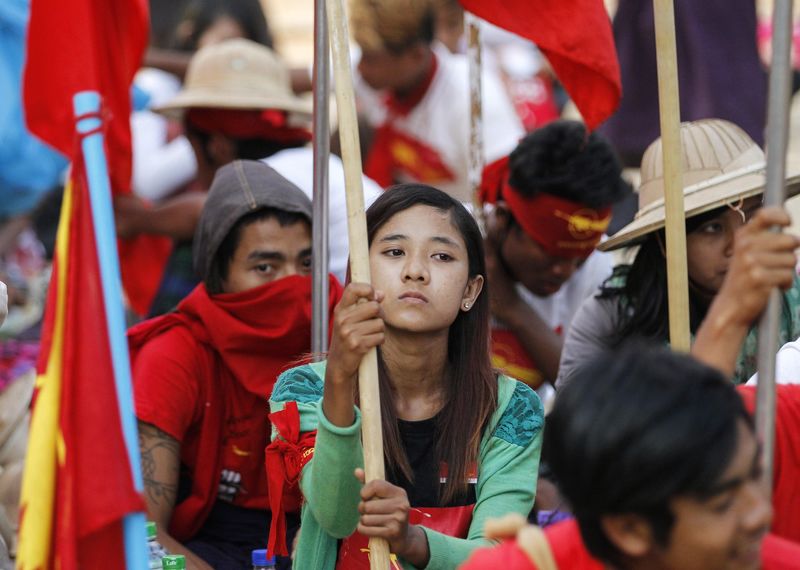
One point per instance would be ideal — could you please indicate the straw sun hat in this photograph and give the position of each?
(237, 74)
(721, 166)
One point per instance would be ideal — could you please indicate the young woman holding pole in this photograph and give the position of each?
(462, 443)
(723, 184)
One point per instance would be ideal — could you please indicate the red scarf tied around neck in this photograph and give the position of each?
(562, 227)
(249, 339)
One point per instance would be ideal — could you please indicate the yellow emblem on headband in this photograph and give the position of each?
(583, 223)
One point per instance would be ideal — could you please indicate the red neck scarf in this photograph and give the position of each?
(562, 227)
(250, 338)
(380, 162)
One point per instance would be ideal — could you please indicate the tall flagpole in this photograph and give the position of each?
(368, 390)
(774, 195)
(319, 229)
(473, 32)
(672, 153)
(86, 106)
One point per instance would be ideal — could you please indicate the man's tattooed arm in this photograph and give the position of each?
(160, 467)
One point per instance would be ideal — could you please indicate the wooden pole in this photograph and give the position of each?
(369, 394)
(774, 195)
(319, 230)
(473, 31)
(669, 109)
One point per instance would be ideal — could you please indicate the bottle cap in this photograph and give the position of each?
(150, 528)
(174, 562)
(260, 558)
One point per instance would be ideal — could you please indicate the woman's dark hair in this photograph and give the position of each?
(632, 431)
(471, 384)
(218, 270)
(564, 160)
(200, 15)
(644, 311)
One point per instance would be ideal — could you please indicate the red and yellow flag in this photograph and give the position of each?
(576, 37)
(78, 485)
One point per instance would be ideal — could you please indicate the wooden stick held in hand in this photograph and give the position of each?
(675, 224)
(369, 394)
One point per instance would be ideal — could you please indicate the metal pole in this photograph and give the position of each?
(473, 31)
(92, 146)
(319, 231)
(774, 195)
(672, 154)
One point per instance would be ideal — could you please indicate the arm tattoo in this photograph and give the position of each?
(160, 481)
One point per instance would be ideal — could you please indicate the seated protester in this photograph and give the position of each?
(724, 180)
(462, 442)
(203, 374)
(415, 93)
(237, 103)
(551, 202)
(668, 484)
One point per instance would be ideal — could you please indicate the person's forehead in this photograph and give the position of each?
(421, 222)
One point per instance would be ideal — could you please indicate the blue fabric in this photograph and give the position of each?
(523, 417)
(28, 167)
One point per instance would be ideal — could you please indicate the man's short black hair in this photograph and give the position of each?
(563, 160)
(218, 271)
(633, 430)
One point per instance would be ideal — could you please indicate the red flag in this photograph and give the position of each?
(78, 484)
(576, 37)
(79, 45)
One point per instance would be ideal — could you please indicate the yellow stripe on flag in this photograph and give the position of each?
(37, 502)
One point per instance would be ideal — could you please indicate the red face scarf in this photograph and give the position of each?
(250, 338)
(562, 227)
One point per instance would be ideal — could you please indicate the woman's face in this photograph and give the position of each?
(420, 261)
(709, 248)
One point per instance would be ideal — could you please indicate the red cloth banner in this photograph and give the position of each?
(576, 38)
(80, 45)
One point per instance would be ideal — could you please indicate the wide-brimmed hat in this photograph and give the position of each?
(721, 165)
(237, 74)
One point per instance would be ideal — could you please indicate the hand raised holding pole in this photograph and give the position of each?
(369, 396)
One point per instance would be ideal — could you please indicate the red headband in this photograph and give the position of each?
(247, 124)
(562, 227)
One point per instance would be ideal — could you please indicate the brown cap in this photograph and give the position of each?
(238, 189)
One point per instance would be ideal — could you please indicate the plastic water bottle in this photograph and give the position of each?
(261, 561)
(156, 551)
(174, 562)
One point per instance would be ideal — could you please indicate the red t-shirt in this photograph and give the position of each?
(173, 391)
(570, 553)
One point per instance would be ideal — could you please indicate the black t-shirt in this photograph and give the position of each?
(419, 441)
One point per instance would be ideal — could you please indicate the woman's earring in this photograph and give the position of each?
(466, 305)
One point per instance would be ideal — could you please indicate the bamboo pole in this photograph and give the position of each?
(669, 110)
(322, 149)
(86, 104)
(774, 195)
(473, 31)
(369, 394)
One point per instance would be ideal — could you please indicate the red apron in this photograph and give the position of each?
(452, 521)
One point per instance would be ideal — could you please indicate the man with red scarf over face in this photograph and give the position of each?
(550, 205)
(203, 373)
